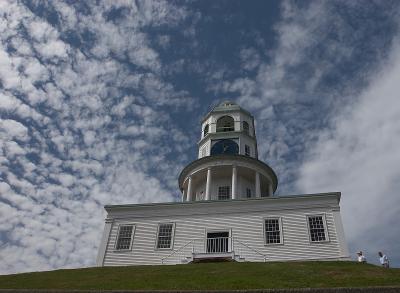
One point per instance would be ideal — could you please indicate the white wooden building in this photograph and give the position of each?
(228, 209)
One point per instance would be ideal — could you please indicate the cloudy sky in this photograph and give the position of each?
(100, 103)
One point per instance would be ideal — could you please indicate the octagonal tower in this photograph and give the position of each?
(227, 166)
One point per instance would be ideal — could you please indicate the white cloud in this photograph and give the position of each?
(8, 103)
(66, 179)
(40, 30)
(360, 157)
(250, 58)
(54, 48)
(8, 70)
(13, 129)
(67, 144)
(13, 149)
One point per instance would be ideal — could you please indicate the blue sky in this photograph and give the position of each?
(100, 103)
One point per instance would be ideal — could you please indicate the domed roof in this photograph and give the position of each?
(226, 106)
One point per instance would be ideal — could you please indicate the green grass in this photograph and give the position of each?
(210, 276)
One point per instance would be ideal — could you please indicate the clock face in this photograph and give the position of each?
(225, 146)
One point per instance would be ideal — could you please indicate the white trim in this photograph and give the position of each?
(240, 206)
(131, 240)
(323, 215)
(280, 231)
(337, 219)
(104, 242)
(172, 236)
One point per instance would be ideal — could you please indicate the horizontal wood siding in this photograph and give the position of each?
(246, 228)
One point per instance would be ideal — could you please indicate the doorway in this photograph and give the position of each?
(218, 242)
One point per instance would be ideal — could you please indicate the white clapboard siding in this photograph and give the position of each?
(243, 218)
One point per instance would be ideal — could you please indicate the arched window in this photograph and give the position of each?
(225, 123)
(205, 131)
(245, 127)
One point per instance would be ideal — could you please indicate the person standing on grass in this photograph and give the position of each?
(361, 257)
(383, 259)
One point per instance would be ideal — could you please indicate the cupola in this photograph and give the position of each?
(227, 167)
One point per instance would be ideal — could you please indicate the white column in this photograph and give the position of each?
(184, 195)
(189, 189)
(234, 182)
(258, 185)
(208, 184)
(270, 189)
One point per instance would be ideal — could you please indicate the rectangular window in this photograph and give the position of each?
(247, 150)
(245, 127)
(164, 235)
(248, 192)
(317, 228)
(273, 233)
(125, 233)
(223, 192)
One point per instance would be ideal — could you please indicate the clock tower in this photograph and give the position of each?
(227, 166)
(228, 209)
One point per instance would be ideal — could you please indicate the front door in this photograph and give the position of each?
(217, 242)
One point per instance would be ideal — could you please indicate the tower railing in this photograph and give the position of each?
(225, 128)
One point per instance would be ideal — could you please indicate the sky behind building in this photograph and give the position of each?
(101, 103)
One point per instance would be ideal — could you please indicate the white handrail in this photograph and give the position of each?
(251, 248)
(176, 251)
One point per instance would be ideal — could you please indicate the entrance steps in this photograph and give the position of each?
(212, 257)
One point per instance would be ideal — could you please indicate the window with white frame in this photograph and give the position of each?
(246, 127)
(225, 123)
(125, 236)
(223, 192)
(165, 235)
(205, 132)
(248, 192)
(272, 229)
(247, 150)
(316, 225)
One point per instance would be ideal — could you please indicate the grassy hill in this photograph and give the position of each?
(208, 276)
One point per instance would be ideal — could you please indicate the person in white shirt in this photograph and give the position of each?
(361, 257)
(383, 259)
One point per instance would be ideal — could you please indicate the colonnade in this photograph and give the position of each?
(188, 193)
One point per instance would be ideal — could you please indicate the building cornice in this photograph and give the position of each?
(266, 200)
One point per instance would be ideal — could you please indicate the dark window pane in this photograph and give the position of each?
(164, 236)
(272, 231)
(124, 237)
(317, 229)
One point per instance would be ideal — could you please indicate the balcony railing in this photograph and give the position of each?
(218, 245)
(225, 128)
